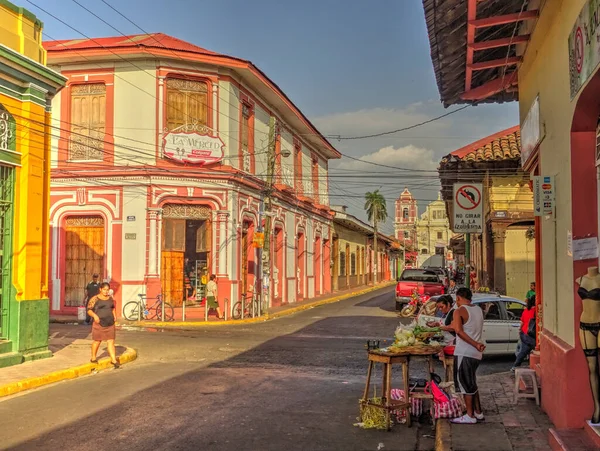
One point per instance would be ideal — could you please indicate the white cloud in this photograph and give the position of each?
(411, 157)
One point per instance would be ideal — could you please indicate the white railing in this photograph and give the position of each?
(246, 161)
(287, 176)
(323, 197)
(308, 188)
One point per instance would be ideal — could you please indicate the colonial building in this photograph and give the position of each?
(26, 90)
(504, 255)
(405, 225)
(545, 56)
(353, 254)
(433, 234)
(164, 155)
(424, 236)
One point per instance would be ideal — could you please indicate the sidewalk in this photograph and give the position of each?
(272, 313)
(71, 359)
(507, 427)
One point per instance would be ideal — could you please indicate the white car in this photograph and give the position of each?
(502, 321)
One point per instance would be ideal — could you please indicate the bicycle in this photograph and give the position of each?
(136, 310)
(250, 306)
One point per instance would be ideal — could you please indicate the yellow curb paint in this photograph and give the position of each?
(291, 311)
(443, 435)
(68, 373)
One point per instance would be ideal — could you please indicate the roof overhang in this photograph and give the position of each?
(476, 47)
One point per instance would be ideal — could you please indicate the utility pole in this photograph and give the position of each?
(264, 253)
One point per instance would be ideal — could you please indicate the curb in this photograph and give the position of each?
(260, 319)
(129, 355)
(443, 435)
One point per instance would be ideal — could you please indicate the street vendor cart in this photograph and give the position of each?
(388, 358)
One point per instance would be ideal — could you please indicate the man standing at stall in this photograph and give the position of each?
(468, 325)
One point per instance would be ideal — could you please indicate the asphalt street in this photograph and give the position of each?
(287, 384)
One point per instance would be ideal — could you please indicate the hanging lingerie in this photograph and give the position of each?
(594, 328)
(594, 294)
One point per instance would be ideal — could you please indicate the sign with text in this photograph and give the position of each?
(584, 45)
(543, 195)
(194, 148)
(468, 208)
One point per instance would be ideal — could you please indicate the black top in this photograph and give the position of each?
(92, 289)
(594, 294)
(103, 308)
(449, 318)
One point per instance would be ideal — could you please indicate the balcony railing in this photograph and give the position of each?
(308, 188)
(323, 197)
(287, 176)
(246, 161)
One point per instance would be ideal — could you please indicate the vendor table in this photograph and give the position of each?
(388, 359)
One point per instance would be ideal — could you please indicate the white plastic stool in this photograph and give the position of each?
(521, 374)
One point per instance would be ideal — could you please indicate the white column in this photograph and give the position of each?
(222, 224)
(153, 244)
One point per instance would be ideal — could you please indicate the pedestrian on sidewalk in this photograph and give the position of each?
(211, 296)
(527, 332)
(91, 290)
(468, 325)
(102, 309)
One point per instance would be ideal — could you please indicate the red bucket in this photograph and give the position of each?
(449, 350)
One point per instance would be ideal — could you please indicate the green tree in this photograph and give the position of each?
(376, 209)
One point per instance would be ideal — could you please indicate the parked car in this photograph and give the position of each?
(422, 281)
(501, 322)
(441, 272)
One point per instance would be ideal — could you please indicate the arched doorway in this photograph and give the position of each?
(186, 251)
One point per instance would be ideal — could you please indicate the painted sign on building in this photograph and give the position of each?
(468, 208)
(584, 45)
(194, 148)
(531, 134)
(543, 195)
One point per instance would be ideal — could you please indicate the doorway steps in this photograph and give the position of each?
(585, 439)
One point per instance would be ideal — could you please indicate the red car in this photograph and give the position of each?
(422, 281)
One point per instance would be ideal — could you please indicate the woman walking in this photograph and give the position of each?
(102, 310)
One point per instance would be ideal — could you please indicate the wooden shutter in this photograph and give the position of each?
(88, 121)
(187, 103)
(174, 235)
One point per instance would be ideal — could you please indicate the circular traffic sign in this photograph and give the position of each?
(468, 197)
(579, 50)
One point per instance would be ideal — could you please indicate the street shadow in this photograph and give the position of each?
(295, 392)
(376, 303)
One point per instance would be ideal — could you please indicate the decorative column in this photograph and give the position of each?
(153, 215)
(215, 106)
(221, 229)
(499, 237)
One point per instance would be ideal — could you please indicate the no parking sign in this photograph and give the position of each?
(468, 208)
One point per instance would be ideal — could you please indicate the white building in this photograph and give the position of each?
(159, 164)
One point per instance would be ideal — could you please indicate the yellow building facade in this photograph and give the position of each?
(433, 232)
(26, 90)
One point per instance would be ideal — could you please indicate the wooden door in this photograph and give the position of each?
(172, 260)
(84, 236)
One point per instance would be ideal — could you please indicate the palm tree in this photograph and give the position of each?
(376, 209)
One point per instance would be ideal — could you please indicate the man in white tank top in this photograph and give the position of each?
(468, 324)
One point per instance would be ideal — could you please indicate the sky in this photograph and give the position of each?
(353, 67)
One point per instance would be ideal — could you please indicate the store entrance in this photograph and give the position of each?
(185, 263)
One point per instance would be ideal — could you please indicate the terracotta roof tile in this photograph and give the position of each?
(504, 145)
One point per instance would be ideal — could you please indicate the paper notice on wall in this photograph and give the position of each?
(570, 243)
(585, 248)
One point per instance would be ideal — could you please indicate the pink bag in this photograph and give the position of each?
(444, 405)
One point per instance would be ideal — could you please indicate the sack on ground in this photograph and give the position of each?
(444, 405)
(416, 405)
